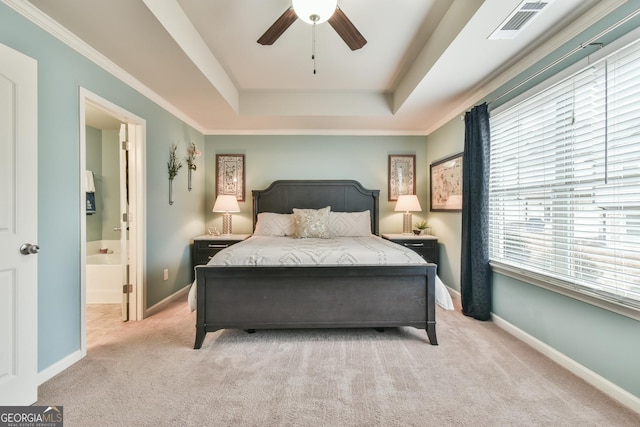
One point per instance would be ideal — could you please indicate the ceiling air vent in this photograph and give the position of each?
(518, 19)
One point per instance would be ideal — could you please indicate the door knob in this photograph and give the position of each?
(28, 248)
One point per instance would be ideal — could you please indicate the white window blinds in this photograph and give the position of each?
(565, 181)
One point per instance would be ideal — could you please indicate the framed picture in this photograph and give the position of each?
(402, 175)
(446, 184)
(230, 175)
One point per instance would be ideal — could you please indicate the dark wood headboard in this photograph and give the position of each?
(342, 195)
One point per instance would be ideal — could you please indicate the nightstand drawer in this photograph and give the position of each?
(426, 247)
(205, 247)
(203, 251)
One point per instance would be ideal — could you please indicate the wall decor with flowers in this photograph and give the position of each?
(192, 154)
(174, 166)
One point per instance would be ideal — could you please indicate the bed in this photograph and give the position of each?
(334, 295)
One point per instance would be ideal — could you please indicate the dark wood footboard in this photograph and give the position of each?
(234, 297)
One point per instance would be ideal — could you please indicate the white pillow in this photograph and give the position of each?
(350, 224)
(311, 223)
(274, 225)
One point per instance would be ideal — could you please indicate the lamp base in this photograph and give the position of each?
(226, 223)
(406, 223)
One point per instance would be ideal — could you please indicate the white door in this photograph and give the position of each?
(135, 211)
(124, 225)
(18, 229)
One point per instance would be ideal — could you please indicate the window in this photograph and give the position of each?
(565, 181)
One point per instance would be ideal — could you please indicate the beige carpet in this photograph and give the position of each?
(147, 374)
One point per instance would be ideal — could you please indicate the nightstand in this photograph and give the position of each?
(424, 245)
(206, 246)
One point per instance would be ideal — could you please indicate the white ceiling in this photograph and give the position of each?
(425, 62)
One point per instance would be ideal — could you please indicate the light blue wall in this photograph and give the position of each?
(363, 158)
(171, 228)
(443, 143)
(61, 72)
(605, 342)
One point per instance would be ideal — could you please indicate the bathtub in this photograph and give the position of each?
(104, 279)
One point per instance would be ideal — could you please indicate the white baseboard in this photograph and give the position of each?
(58, 367)
(602, 384)
(182, 293)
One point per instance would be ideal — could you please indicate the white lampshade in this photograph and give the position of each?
(408, 203)
(226, 203)
(314, 11)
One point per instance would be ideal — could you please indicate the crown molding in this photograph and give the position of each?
(36, 16)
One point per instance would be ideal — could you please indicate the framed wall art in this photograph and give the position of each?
(402, 175)
(230, 175)
(446, 184)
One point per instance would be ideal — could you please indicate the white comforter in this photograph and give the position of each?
(370, 250)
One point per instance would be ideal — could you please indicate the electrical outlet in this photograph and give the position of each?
(166, 274)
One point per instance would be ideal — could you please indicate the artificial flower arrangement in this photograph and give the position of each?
(173, 164)
(193, 154)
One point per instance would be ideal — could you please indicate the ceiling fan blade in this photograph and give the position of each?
(271, 35)
(346, 30)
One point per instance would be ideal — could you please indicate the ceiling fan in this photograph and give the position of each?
(315, 12)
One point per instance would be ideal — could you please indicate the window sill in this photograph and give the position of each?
(566, 289)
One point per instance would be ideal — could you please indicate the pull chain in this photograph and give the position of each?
(313, 46)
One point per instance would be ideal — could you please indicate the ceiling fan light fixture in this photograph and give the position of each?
(314, 11)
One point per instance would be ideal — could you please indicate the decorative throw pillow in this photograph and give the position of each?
(311, 223)
(350, 224)
(274, 225)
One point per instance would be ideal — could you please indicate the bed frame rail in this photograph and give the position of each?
(315, 297)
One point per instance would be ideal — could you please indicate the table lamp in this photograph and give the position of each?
(226, 203)
(407, 203)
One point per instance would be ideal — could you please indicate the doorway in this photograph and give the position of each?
(112, 226)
